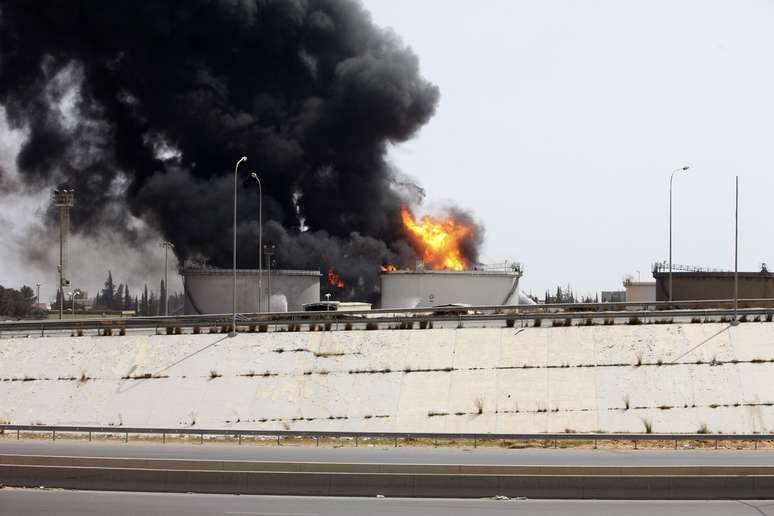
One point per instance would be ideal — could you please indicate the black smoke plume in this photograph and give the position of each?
(145, 106)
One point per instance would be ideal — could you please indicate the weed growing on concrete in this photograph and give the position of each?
(659, 362)
(479, 404)
(638, 363)
(665, 407)
(703, 429)
(713, 405)
(214, 374)
(626, 402)
(84, 377)
(436, 414)
(648, 426)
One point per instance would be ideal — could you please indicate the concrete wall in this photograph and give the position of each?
(445, 380)
(209, 291)
(410, 289)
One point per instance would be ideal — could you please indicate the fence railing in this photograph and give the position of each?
(394, 437)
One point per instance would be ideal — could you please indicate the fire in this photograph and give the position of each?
(388, 268)
(334, 279)
(437, 241)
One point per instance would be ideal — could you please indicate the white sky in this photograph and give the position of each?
(560, 122)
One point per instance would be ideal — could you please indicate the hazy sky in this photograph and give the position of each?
(559, 124)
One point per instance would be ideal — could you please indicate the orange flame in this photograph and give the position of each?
(334, 279)
(387, 268)
(437, 241)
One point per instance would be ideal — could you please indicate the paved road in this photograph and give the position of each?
(545, 457)
(22, 502)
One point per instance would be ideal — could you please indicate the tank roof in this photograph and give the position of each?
(211, 271)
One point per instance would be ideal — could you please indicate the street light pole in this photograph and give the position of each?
(260, 240)
(670, 226)
(736, 253)
(233, 313)
(167, 246)
(37, 296)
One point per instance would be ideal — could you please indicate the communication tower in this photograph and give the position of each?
(63, 199)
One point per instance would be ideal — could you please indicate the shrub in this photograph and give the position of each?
(121, 332)
(635, 320)
(348, 326)
(509, 323)
(263, 328)
(695, 320)
(196, 330)
(327, 326)
(769, 317)
(609, 321)
(251, 328)
(743, 318)
(170, 330)
(372, 326)
(537, 323)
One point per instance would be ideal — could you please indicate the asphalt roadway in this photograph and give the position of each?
(35, 502)
(390, 455)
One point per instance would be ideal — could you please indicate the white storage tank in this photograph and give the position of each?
(423, 288)
(209, 291)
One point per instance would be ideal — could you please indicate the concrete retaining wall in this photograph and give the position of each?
(607, 378)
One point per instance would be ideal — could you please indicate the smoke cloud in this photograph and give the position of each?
(145, 107)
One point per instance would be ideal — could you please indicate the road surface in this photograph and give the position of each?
(390, 455)
(33, 502)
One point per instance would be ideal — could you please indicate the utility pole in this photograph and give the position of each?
(37, 296)
(268, 249)
(63, 199)
(167, 246)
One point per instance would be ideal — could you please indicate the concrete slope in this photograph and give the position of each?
(671, 378)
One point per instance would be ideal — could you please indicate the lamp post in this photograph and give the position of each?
(736, 254)
(260, 239)
(37, 295)
(681, 169)
(233, 313)
(167, 246)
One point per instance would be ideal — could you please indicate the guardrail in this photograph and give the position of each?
(394, 437)
(371, 320)
(573, 311)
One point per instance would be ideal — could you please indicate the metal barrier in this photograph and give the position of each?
(509, 314)
(389, 436)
